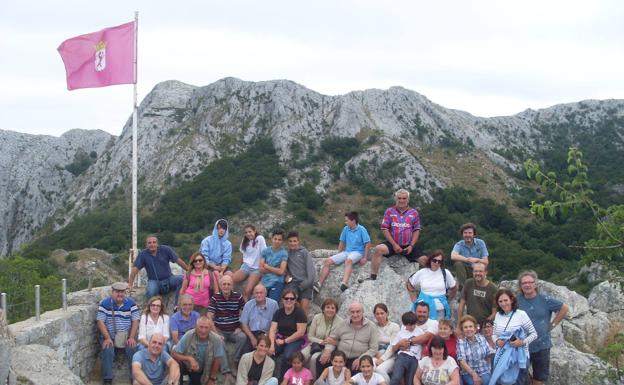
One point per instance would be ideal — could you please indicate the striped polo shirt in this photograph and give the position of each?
(226, 310)
(124, 314)
(401, 224)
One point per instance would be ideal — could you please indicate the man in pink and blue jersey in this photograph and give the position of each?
(401, 228)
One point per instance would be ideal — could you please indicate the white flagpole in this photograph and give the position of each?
(134, 153)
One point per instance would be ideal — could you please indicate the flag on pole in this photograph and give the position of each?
(100, 59)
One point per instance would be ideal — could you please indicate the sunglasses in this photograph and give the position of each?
(289, 298)
(198, 260)
(155, 305)
(436, 261)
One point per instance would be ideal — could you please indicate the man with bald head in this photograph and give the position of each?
(149, 367)
(344, 338)
(224, 310)
(257, 316)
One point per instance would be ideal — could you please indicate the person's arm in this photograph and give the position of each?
(227, 255)
(243, 371)
(411, 290)
(422, 339)
(174, 372)
(367, 248)
(214, 368)
(454, 377)
(313, 330)
(452, 292)
(133, 273)
(559, 316)
(417, 376)
(185, 282)
(395, 246)
(182, 264)
(108, 341)
(341, 246)
(272, 334)
(310, 272)
(281, 270)
(485, 260)
(415, 236)
(301, 328)
(460, 309)
(175, 336)
(142, 338)
(194, 365)
(133, 333)
(138, 375)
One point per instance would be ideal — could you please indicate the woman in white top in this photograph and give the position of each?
(434, 285)
(251, 247)
(153, 320)
(439, 369)
(509, 318)
(384, 360)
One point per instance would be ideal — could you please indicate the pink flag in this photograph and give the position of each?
(100, 59)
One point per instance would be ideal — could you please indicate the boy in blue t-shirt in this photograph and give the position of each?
(273, 264)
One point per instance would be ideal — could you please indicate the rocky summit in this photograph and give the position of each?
(47, 181)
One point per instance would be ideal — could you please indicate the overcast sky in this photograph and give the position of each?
(486, 57)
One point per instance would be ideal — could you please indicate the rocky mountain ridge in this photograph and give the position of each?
(182, 128)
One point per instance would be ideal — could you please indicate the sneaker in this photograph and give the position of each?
(317, 287)
(343, 287)
(371, 278)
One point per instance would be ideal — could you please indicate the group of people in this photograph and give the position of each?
(497, 337)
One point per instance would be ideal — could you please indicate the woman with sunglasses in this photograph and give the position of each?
(200, 283)
(153, 321)
(434, 285)
(287, 331)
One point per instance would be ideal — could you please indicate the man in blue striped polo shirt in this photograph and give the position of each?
(118, 323)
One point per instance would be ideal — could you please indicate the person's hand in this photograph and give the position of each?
(500, 343)
(356, 364)
(272, 350)
(408, 250)
(325, 356)
(254, 341)
(397, 249)
(194, 365)
(329, 340)
(476, 379)
(378, 361)
(107, 343)
(517, 343)
(131, 342)
(363, 261)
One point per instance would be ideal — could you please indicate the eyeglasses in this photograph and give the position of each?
(155, 305)
(527, 282)
(289, 298)
(198, 260)
(436, 261)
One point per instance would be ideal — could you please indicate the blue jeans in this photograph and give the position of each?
(404, 368)
(282, 356)
(108, 355)
(175, 283)
(467, 379)
(523, 377)
(239, 338)
(275, 291)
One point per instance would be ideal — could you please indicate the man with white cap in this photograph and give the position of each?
(118, 323)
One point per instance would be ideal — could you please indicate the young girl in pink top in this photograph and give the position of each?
(297, 374)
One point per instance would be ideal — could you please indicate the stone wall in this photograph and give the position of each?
(72, 333)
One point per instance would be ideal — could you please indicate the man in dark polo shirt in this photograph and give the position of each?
(155, 259)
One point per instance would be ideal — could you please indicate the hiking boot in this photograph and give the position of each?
(343, 287)
(317, 287)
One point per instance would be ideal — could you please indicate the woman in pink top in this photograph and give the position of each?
(199, 282)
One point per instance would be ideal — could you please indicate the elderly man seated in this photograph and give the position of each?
(344, 338)
(150, 367)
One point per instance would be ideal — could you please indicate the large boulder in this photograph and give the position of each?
(41, 365)
(608, 296)
(6, 342)
(389, 287)
(568, 366)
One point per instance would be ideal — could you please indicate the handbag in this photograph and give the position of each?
(120, 337)
(163, 284)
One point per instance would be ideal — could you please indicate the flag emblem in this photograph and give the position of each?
(100, 56)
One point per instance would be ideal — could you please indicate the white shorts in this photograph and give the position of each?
(339, 258)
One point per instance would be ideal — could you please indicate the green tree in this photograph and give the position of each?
(573, 192)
